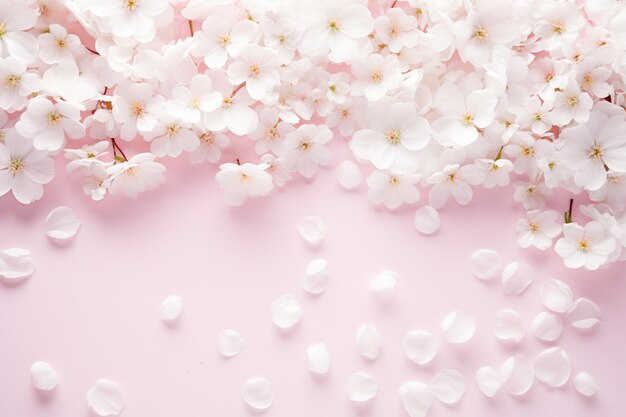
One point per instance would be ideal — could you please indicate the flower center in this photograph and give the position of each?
(537, 117)
(227, 102)
(61, 44)
(468, 119)
(587, 79)
(418, 12)
(282, 39)
(54, 118)
(551, 165)
(494, 167)
(243, 177)
(393, 136)
(255, 71)
(583, 245)
(91, 155)
(595, 153)
(271, 133)
(137, 109)
(12, 80)
(224, 40)
(393, 180)
(2, 30)
(131, 5)
(130, 172)
(345, 114)
(393, 30)
(480, 33)
(572, 101)
(333, 25)
(16, 166)
(452, 177)
(43, 9)
(533, 226)
(548, 77)
(376, 77)
(558, 28)
(528, 151)
(305, 145)
(172, 130)
(207, 138)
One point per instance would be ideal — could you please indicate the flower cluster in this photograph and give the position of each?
(437, 95)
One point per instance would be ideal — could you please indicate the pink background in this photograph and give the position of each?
(91, 309)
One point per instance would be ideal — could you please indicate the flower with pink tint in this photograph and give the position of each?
(587, 246)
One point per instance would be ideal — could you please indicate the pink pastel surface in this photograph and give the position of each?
(91, 308)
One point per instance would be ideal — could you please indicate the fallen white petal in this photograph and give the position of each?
(286, 312)
(458, 327)
(416, 398)
(585, 384)
(420, 346)
(318, 358)
(448, 385)
(62, 223)
(547, 326)
(384, 285)
(349, 175)
(485, 263)
(315, 278)
(312, 229)
(427, 220)
(257, 393)
(556, 295)
(361, 387)
(368, 341)
(230, 343)
(516, 277)
(16, 263)
(584, 314)
(509, 326)
(553, 367)
(171, 308)
(43, 376)
(489, 381)
(518, 374)
(105, 398)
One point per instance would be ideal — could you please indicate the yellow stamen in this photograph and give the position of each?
(16, 166)
(595, 153)
(305, 145)
(54, 118)
(393, 136)
(12, 80)
(480, 33)
(333, 25)
(376, 77)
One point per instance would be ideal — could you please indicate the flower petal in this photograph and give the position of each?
(420, 346)
(349, 175)
(257, 393)
(315, 278)
(318, 358)
(585, 384)
(516, 277)
(584, 314)
(489, 381)
(43, 376)
(427, 220)
(416, 398)
(62, 223)
(16, 263)
(286, 312)
(556, 295)
(509, 326)
(458, 327)
(312, 229)
(171, 308)
(485, 263)
(361, 387)
(547, 326)
(368, 341)
(105, 398)
(448, 385)
(553, 367)
(230, 343)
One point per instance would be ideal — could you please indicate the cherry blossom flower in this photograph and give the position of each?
(538, 229)
(16, 83)
(277, 168)
(496, 172)
(453, 180)
(47, 123)
(571, 104)
(169, 137)
(256, 67)
(199, 97)
(129, 18)
(138, 174)
(135, 109)
(23, 169)
(305, 149)
(56, 45)
(593, 146)
(397, 132)
(392, 190)
(397, 30)
(536, 116)
(587, 246)
(16, 17)
(270, 133)
(376, 76)
(210, 147)
(461, 116)
(87, 157)
(242, 181)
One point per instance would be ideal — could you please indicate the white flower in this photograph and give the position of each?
(589, 147)
(23, 169)
(461, 116)
(455, 180)
(129, 18)
(199, 97)
(136, 109)
(305, 149)
(376, 76)
(270, 133)
(336, 28)
(396, 133)
(16, 84)
(559, 25)
(277, 168)
(530, 194)
(348, 115)
(47, 123)
(571, 104)
(588, 246)
(392, 190)
(496, 172)
(538, 229)
(536, 115)
(242, 181)
(87, 157)
(169, 137)
(256, 66)
(283, 36)
(593, 77)
(397, 30)
(138, 174)
(98, 182)
(16, 17)
(210, 149)
(56, 45)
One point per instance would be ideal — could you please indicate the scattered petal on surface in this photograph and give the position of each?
(257, 393)
(556, 295)
(230, 343)
(105, 398)
(62, 223)
(518, 374)
(312, 229)
(489, 381)
(318, 358)
(286, 312)
(448, 385)
(584, 314)
(458, 327)
(585, 384)
(427, 220)
(368, 341)
(384, 285)
(553, 367)
(349, 175)
(43, 376)
(516, 277)
(547, 326)
(420, 346)
(16, 263)
(315, 278)
(509, 326)
(171, 308)
(416, 398)
(361, 387)
(485, 263)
